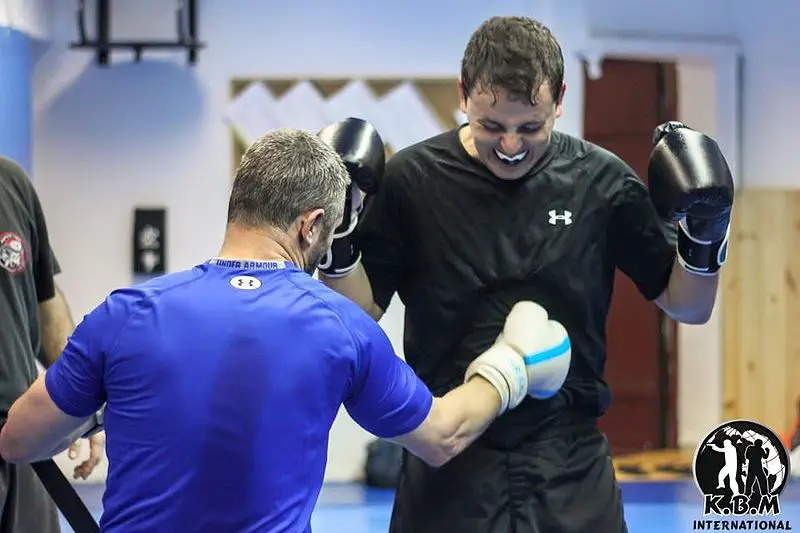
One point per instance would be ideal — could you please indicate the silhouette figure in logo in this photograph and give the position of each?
(741, 465)
(755, 468)
(730, 470)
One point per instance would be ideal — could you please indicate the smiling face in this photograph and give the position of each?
(509, 135)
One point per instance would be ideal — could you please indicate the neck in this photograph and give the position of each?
(260, 244)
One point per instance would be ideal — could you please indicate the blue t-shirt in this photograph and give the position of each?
(222, 383)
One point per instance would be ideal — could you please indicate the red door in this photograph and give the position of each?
(622, 109)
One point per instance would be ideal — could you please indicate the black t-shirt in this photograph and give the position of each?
(27, 268)
(460, 247)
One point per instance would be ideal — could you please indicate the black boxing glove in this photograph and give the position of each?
(690, 183)
(362, 151)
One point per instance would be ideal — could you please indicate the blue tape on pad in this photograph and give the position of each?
(538, 393)
(540, 357)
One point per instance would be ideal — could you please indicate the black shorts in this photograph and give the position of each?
(561, 481)
(25, 505)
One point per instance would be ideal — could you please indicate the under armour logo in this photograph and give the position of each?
(245, 282)
(566, 217)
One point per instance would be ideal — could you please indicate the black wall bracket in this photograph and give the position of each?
(103, 43)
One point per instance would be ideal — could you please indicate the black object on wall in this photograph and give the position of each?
(103, 42)
(149, 242)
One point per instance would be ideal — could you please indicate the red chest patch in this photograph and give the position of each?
(14, 255)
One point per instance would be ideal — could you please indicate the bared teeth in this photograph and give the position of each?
(516, 159)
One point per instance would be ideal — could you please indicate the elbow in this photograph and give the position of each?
(12, 449)
(697, 319)
(448, 449)
(449, 444)
(442, 455)
(694, 316)
(446, 443)
(19, 447)
(11, 458)
(439, 449)
(438, 440)
(437, 462)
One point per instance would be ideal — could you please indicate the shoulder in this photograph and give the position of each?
(416, 166)
(148, 293)
(166, 283)
(604, 161)
(123, 304)
(14, 180)
(12, 172)
(608, 172)
(113, 313)
(425, 149)
(408, 161)
(355, 323)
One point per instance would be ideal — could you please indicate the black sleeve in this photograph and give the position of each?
(643, 245)
(56, 264)
(45, 265)
(381, 237)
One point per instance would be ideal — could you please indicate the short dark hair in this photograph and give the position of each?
(517, 54)
(284, 174)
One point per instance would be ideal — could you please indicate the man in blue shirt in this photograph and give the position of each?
(221, 383)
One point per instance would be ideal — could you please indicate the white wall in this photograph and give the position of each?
(772, 76)
(107, 140)
(33, 17)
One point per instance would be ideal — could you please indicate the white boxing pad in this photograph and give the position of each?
(504, 368)
(544, 344)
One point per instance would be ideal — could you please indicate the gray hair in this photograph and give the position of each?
(284, 174)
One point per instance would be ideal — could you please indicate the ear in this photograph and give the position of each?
(311, 226)
(560, 103)
(462, 98)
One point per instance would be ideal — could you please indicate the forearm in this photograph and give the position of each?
(689, 297)
(468, 410)
(56, 326)
(22, 451)
(454, 422)
(36, 428)
(356, 287)
(91, 426)
(27, 456)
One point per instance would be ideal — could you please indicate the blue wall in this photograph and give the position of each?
(15, 97)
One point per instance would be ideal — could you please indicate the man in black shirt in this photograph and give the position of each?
(503, 209)
(36, 323)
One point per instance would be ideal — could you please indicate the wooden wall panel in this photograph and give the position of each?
(440, 94)
(761, 308)
(621, 110)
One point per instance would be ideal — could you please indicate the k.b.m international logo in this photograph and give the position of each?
(741, 468)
